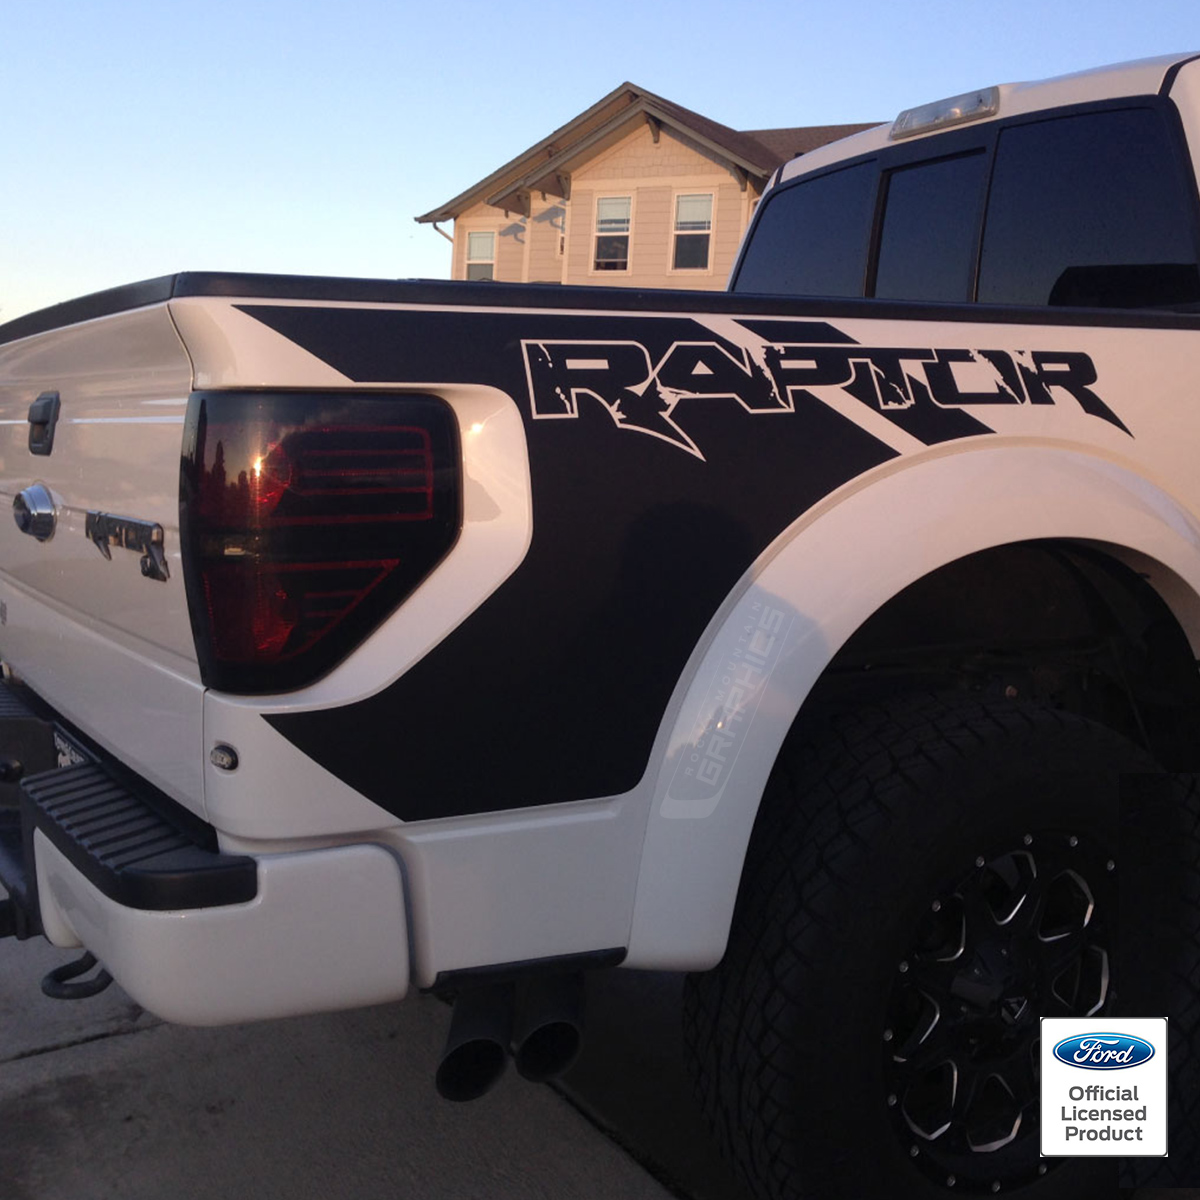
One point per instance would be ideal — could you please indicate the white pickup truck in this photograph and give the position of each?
(366, 636)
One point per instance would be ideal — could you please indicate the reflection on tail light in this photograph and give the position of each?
(306, 518)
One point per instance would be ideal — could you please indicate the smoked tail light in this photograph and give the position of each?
(305, 519)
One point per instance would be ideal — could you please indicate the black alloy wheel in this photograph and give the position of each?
(928, 877)
(1024, 933)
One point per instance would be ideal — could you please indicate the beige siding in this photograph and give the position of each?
(729, 221)
(510, 249)
(638, 156)
(546, 225)
(527, 248)
(653, 173)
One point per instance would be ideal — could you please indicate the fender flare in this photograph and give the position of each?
(781, 626)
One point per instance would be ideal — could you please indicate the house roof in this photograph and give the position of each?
(788, 143)
(546, 166)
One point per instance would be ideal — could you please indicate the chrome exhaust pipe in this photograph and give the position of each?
(550, 1028)
(476, 1050)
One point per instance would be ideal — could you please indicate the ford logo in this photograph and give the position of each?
(1103, 1051)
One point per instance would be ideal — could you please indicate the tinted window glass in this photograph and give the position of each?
(930, 224)
(1089, 210)
(812, 237)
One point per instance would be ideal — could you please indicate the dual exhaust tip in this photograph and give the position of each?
(540, 1022)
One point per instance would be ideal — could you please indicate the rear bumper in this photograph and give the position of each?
(325, 930)
(139, 854)
(194, 935)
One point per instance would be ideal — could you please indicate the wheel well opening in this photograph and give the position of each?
(1053, 621)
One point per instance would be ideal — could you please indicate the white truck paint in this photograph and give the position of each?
(1060, 437)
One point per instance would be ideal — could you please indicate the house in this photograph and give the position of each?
(635, 191)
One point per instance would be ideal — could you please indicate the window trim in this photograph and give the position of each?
(707, 269)
(469, 262)
(619, 272)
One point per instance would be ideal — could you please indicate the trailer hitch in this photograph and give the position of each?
(57, 987)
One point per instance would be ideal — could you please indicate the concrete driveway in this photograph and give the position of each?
(100, 1101)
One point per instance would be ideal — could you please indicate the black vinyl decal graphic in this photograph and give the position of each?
(664, 458)
(642, 395)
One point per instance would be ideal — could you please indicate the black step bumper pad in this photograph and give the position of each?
(130, 849)
(26, 745)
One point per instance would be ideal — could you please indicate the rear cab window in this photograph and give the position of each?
(812, 238)
(1087, 207)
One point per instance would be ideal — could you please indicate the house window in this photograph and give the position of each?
(693, 232)
(612, 233)
(481, 256)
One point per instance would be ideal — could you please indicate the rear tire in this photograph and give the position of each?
(927, 877)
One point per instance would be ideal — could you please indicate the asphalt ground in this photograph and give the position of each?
(101, 1101)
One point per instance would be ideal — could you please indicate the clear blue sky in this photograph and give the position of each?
(145, 137)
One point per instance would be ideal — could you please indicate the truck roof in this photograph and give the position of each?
(1146, 76)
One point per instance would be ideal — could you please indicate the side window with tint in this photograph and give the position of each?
(930, 226)
(1090, 210)
(812, 237)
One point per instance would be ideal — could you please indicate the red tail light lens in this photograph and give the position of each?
(305, 519)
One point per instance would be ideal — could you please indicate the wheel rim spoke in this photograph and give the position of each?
(995, 1116)
(1021, 935)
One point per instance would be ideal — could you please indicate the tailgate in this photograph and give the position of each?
(94, 616)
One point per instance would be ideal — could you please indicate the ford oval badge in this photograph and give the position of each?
(1103, 1051)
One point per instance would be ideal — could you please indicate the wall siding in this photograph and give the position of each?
(510, 248)
(546, 225)
(653, 173)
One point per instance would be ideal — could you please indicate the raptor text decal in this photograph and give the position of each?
(644, 395)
